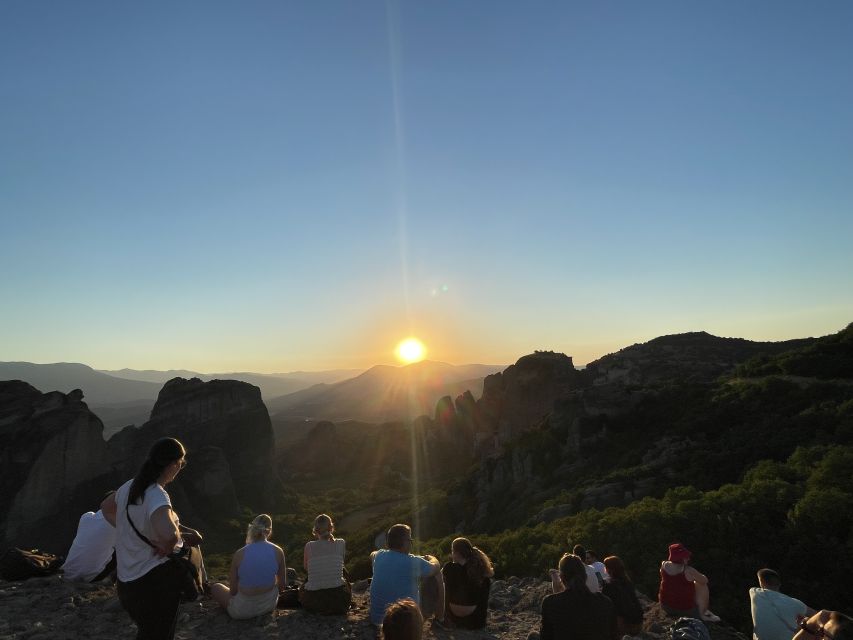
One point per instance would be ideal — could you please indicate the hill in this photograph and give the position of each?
(383, 393)
(98, 388)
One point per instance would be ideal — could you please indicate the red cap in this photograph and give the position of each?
(678, 553)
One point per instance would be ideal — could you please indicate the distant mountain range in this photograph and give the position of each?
(126, 396)
(383, 393)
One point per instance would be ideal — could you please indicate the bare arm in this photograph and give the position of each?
(436, 567)
(694, 576)
(282, 568)
(233, 577)
(813, 623)
(109, 508)
(556, 584)
(166, 534)
(305, 555)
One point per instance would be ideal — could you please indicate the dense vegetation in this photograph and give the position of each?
(762, 475)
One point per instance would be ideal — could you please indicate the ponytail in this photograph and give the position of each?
(163, 453)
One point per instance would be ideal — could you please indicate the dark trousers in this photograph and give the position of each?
(152, 602)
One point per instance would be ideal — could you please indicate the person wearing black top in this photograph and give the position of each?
(466, 585)
(577, 613)
(621, 591)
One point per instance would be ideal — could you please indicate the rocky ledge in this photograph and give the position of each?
(42, 608)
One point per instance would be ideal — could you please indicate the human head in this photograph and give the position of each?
(477, 564)
(769, 579)
(323, 527)
(259, 529)
(463, 548)
(615, 568)
(403, 621)
(678, 553)
(579, 551)
(590, 556)
(399, 538)
(572, 572)
(165, 459)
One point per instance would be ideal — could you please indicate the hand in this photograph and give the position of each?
(553, 573)
(190, 536)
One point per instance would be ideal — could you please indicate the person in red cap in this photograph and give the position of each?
(683, 590)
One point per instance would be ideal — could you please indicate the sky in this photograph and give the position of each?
(273, 186)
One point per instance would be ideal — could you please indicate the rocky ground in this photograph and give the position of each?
(51, 608)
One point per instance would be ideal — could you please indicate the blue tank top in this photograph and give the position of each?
(259, 566)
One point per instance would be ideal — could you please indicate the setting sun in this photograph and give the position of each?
(411, 350)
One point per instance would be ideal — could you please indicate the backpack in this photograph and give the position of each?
(20, 564)
(689, 629)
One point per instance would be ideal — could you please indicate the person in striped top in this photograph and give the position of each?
(327, 591)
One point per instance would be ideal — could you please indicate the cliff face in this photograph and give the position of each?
(55, 465)
(540, 423)
(53, 461)
(227, 432)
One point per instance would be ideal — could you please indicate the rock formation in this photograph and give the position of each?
(227, 432)
(53, 461)
(55, 465)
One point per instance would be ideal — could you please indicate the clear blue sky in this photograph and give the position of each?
(275, 185)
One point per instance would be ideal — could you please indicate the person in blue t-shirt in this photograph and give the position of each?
(397, 573)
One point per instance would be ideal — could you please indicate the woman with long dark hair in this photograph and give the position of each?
(576, 612)
(467, 578)
(623, 595)
(148, 582)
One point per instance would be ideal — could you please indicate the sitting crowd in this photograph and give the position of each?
(591, 599)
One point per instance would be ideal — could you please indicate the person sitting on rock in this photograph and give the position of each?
(403, 621)
(576, 612)
(467, 578)
(326, 591)
(590, 559)
(92, 556)
(829, 625)
(683, 590)
(592, 581)
(774, 615)
(623, 595)
(396, 574)
(257, 572)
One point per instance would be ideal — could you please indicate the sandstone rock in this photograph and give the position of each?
(51, 455)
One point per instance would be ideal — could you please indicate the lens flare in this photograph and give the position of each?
(410, 350)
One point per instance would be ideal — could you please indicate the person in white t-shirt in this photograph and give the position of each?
(592, 582)
(148, 584)
(92, 554)
(774, 615)
(591, 560)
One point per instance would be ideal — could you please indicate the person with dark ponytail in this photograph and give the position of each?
(148, 583)
(467, 579)
(576, 612)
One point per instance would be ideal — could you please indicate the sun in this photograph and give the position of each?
(410, 350)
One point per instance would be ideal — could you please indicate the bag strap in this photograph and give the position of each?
(141, 537)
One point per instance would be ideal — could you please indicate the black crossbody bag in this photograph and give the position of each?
(187, 562)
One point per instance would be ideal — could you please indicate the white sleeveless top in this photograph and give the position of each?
(325, 562)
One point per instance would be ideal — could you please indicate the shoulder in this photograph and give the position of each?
(238, 555)
(157, 495)
(278, 550)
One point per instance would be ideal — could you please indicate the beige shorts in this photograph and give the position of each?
(241, 606)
